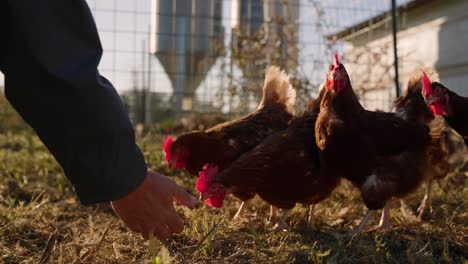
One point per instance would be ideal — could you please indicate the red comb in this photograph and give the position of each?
(205, 176)
(426, 84)
(337, 60)
(167, 148)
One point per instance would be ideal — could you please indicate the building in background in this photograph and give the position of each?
(187, 38)
(247, 49)
(277, 22)
(189, 72)
(264, 32)
(248, 13)
(431, 33)
(282, 28)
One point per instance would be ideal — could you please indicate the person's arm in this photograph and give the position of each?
(50, 58)
(51, 79)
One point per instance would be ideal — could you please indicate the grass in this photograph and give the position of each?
(41, 221)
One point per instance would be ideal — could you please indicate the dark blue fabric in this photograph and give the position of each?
(49, 53)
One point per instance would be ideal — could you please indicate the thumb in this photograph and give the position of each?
(183, 197)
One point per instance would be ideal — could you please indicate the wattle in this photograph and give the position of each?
(215, 202)
(180, 164)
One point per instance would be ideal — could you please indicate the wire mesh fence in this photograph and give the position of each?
(176, 58)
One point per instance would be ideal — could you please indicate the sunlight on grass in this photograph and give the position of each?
(37, 203)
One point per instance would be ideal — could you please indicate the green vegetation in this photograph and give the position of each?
(41, 219)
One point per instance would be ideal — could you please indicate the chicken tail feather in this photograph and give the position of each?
(278, 89)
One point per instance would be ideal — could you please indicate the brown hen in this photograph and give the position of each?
(283, 170)
(224, 143)
(380, 153)
(411, 107)
(444, 102)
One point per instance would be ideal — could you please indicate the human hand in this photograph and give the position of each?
(149, 209)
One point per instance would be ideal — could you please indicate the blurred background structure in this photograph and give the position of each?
(187, 38)
(431, 33)
(175, 60)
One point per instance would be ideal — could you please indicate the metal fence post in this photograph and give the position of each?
(395, 49)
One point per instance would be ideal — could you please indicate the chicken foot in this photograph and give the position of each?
(384, 222)
(426, 202)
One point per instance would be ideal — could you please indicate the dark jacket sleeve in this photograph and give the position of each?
(51, 78)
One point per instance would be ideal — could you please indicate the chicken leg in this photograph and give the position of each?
(311, 216)
(384, 222)
(273, 213)
(385, 219)
(281, 224)
(363, 222)
(241, 211)
(425, 202)
(405, 210)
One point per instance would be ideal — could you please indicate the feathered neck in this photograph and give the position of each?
(412, 107)
(343, 103)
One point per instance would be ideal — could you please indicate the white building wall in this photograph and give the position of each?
(434, 35)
